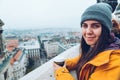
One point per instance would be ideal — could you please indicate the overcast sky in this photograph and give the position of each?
(33, 14)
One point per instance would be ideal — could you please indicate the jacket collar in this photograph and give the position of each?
(101, 58)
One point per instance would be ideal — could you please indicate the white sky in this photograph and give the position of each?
(33, 14)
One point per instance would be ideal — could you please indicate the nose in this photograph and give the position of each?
(89, 30)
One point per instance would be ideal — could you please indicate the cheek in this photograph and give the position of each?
(98, 32)
(83, 31)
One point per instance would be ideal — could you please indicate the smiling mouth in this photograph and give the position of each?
(90, 38)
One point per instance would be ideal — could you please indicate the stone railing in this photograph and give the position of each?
(45, 71)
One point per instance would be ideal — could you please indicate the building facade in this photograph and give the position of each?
(32, 50)
(1, 42)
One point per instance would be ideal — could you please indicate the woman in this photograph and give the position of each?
(100, 51)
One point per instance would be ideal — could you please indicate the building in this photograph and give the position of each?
(18, 63)
(1, 42)
(51, 48)
(32, 50)
(11, 42)
(13, 60)
(13, 65)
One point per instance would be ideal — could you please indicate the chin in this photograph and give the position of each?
(90, 44)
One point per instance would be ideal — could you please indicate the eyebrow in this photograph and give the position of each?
(92, 23)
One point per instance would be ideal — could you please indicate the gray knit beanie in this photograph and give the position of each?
(101, 12)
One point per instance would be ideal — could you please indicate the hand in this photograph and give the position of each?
(55, 66)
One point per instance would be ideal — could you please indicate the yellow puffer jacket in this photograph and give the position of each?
(107, 67)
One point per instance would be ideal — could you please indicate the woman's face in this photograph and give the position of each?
(91, 31)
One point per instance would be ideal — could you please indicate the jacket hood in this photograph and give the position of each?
(115, 44)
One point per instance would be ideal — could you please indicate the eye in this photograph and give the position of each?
(95, 26)
(84, 25)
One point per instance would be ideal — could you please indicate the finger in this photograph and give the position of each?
(64, 64)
